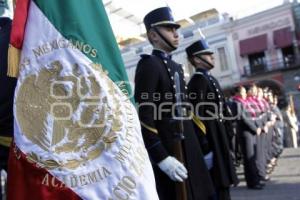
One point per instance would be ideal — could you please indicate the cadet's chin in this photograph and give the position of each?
(176, 45)
(208, 67)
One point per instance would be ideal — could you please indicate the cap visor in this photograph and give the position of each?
(168, 24)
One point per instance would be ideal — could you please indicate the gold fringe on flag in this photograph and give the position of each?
(13, 61)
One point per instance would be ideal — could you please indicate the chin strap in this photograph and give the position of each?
(164, 39)
(205, 61)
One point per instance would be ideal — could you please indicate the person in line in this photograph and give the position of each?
(204, 89)
(155, 77)
(247, 130)
(7, 85)
(290, 127)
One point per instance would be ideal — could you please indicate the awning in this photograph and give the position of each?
(253, 45)
(277, 78)
(283, 37)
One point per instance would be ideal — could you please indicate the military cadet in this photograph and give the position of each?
(279, 126)
(263, 148)
(155, 89)
(272, 148)
(247, 130)
(264, 140)
(208, 100)
(7, 85)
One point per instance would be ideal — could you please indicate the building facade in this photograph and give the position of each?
(218, 37)
(266, 46)
(265, 41)
(262, 48)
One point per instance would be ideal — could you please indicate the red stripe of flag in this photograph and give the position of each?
(19, 23)
(27, 181)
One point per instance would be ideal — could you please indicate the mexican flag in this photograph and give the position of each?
(76, 134)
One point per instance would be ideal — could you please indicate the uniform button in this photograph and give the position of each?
(174, 86)
(169, 69)
(185, 87)
(217, 90)
(172, 77)
(219, 96)
(186, 96)
(165, 61)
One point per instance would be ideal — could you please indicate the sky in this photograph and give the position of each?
(182, 9)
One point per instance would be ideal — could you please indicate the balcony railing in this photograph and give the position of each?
(270, 66)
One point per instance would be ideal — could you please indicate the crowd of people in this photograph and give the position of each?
(262, 131)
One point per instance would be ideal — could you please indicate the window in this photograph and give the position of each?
(222, 59)
(288, 56)
(257, 62)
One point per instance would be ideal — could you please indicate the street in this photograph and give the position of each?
(284, 183)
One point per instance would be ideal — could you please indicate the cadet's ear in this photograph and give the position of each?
(152, 36)
(196, 59)
(192, 60)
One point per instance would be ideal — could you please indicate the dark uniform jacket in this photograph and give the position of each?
(204, 88)
(154, 94)
(245, 120)
(246, 133)
(7, 86)
(277, 141)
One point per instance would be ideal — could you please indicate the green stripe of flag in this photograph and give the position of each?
(86, 22)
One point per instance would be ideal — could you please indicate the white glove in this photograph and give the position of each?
(173, 168)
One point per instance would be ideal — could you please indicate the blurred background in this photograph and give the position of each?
(255, 41)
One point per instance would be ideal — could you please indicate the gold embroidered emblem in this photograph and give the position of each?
(69, 116)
